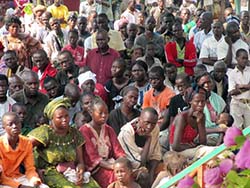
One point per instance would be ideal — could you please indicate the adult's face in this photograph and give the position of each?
(146, 123)
(185, 15)
(177, 31)
(219, 73)
(14, 29)
(130, 99)
(171, 73)
(132, 31)
(102, 40)
(12, 125)
(205, 21)
(217, 29)
(82, 24)
(3, 88)
(40, 60)
(234, 32)
(242, 60)
(245, 18)
(102, 23)
(11, 60)
(60, 120)
(45, 19)
(65, 61)
(31, 85)
(181, 86)
(138, 73)
(150, 24)
(15, 85)
(198, 102)
(168, 22)
(52, 89)
(206, 82)
(155, 80)
(88, 86)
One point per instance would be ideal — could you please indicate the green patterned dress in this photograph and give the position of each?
(56, 149)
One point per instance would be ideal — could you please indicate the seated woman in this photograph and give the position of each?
(126, 112)
(187, 125)
(213, 106)
(87, 83)
(101, 148)
(58, 146)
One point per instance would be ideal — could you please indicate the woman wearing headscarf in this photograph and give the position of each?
(59, 147)
(87, 83)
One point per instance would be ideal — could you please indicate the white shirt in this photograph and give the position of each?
(209, 49)
(199, 38)
(131, 17)
(237, 77)
(223, 48)
(85, 8)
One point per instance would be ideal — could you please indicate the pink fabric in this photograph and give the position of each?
(109, 147)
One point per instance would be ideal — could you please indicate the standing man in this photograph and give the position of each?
(60, 12)
(100, 59)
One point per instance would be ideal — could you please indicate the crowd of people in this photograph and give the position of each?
(120, 94)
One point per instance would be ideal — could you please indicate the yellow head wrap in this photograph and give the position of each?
(53, 105)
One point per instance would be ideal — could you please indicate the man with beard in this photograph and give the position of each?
(5, 101)
(31, 97)
(227, 48)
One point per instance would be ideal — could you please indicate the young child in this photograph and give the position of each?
(16, 150)
(123, 173)
(173, 164)
(76, 50)
(224, 121)
(81, 118)
(20, 110)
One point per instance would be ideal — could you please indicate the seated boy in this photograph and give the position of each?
(14, 151)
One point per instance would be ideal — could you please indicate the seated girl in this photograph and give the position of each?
(101, 148)
(187, 126)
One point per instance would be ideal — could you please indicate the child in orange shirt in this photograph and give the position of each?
(14, 151)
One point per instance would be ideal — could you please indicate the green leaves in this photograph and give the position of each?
(238, 180)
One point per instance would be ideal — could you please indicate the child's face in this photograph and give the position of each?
(122, 173)
(86, 103)
(73, 38)
(117, 69)
(223, 119)
(80, 120)
(99, 114)
(12, 125)
(21, 112)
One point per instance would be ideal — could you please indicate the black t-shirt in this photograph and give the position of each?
(176, 105)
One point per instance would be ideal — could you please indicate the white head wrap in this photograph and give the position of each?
(86, 76)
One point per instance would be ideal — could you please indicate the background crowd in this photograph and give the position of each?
(118, 94)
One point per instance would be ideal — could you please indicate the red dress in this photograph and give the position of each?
(100, 147)
(188, 136)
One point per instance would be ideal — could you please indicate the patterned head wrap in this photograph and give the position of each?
(51, 107)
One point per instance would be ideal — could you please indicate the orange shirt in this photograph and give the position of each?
(11, 159)
(159, 102)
